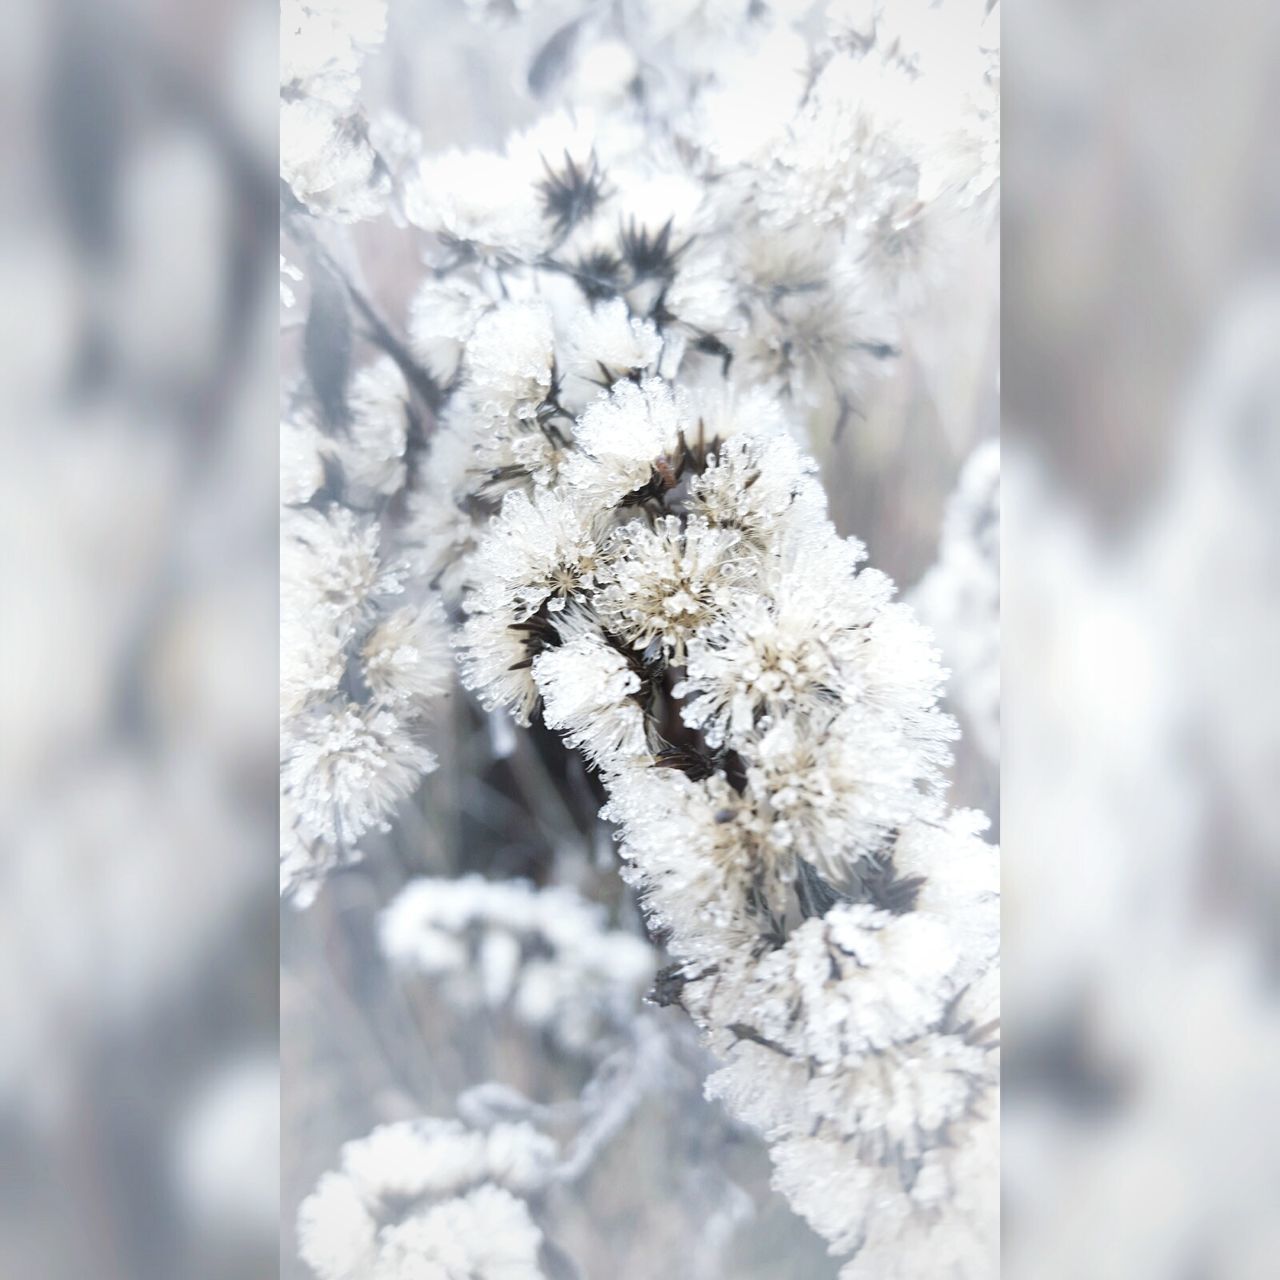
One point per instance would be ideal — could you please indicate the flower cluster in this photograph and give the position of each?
(544, 954)
(635, 318)
(364, 650)
(326, 155)
(430, 1198)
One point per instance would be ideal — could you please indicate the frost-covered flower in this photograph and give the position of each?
(609, 342)
(301, 459)
(325, 154)
(486, 1234)
(330, 562)
(663, 583)
(589, 692)
(480, 199)
(430, 1198)
(328, 161)
(509, 359)
(407, 658)
(337, 1235)
(346, 770)
(442, 318)
(540, 551)
(622, 437)
(546, 954)
(372, 449)
(836, 788)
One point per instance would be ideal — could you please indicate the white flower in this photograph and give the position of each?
(544, 550)
(486, 1234)
(372, 451)
(312, 658)
(326, 159)
(961, 882)
(622, 436)
(589, 693)
(837, 785)
(756, 484)
(509, 358)
(608, 340)
(480, 198)
(346, 770)
(322, 44)
(442, 318)
(337, 1236)
(547, 954)
(852, 982)
(495, 655)
(301, 459)
(330, 562)
(696, 856)
(662, 584)
(407, 658)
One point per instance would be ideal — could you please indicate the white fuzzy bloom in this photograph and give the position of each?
(756, 483)
(621, 436)
(961, 882)
(327, 159)
(508, 362)
(301, 459)
(312, 659)
(547, 954)
(544, 550)
(330, 562)
(322, 44)
(407, 658)
(372, 450)
(662, 584)
(412, 1159)
(852, 982)
(495, 655)
(346, 770)
(694, 850)
(337, 1235)
(429, 1199)
(486, 1234)
(442, 318)
(589, 693)
(479, 198)
(609, 340)
(835, 787)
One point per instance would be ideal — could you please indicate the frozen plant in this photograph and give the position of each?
(430, 1198)
(636, 320)
(364, 650)
(545, 954)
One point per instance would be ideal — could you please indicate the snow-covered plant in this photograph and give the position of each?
(430, 1198)
(638, 320)
(364, 649)
(544, 954)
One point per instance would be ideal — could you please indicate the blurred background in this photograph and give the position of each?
(139, 1111)
(1141, 450)
(139, 1094)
